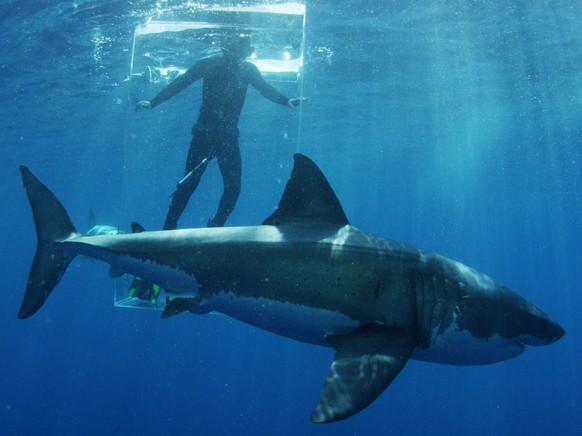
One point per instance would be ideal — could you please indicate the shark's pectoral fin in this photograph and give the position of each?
(365, 364)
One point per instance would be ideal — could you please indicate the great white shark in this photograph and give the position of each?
(307, 274)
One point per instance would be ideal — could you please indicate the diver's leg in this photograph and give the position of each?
(197, 161)
(230, 165)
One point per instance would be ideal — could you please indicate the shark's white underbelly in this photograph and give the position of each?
(295, 321)
(455, 346)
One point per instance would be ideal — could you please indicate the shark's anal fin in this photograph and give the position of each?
(179, 305)
(365, 364)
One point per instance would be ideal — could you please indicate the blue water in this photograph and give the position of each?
(454, 126)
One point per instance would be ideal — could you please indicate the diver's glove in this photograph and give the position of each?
(294, 102)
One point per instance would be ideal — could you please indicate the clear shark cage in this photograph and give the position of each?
(165, 46)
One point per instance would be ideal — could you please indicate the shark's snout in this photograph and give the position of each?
(546, 332)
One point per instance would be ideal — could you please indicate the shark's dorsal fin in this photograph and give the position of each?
(308, 198)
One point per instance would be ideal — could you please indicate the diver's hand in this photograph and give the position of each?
(144, 104)
(294, 102)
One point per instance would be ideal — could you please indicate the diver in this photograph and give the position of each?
(225, 79)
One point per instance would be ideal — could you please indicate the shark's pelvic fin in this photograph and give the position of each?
(53, 226)
(308, 198)
(365, 364)
(179, 305)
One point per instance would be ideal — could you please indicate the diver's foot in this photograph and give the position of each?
(144, 290)
(215, 223)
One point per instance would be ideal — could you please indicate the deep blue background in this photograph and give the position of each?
(454, 126)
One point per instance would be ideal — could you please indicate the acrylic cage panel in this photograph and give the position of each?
(167, 45)
(121, 296)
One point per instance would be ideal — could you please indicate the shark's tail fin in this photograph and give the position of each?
(53, 226)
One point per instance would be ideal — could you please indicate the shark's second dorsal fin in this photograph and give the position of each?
(308, 198)
(137, 228)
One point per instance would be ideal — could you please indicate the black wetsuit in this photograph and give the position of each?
(216, 134)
